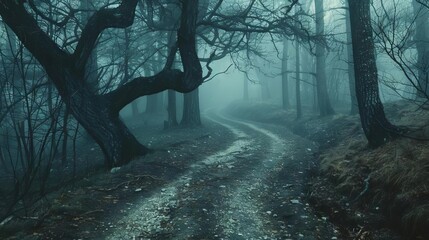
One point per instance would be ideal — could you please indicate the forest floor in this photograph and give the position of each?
(367, 193)
(250, 173)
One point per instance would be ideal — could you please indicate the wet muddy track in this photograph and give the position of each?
(251, 190)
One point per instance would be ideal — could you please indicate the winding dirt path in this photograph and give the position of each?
(251, 190)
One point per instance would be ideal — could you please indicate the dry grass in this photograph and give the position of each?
(394, 177)
(398, 172)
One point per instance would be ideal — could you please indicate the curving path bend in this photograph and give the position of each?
(251, 190)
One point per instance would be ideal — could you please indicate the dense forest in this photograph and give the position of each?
(198, 119)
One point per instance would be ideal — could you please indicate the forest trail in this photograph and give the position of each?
(251, 190)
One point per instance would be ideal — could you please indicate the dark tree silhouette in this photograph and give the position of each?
(298, 80)
(285, 80)
(377, 128)
(99, 114)
(350, 66)
(245, 88)
(191, 116)
(171, 95)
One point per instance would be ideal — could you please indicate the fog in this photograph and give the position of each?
(198, 119)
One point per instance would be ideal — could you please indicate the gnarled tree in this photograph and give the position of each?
(99, 114)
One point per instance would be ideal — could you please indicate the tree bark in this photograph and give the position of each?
(297, 75)
(191, 110)
(99, 114)
(350, 65)
(308, 67)
(265, 89)
(104, 126)
(285, 80)
(377, 128)
(322, 89)
(191, 116)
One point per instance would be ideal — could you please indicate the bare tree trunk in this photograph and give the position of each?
(307, 68)
(265, 89)
(298, 80)
(172, 109)
(115, 140)
(285, 80)
(191, 116)
(315, 101)
(350, 66)
(65, 136)
(134, 109)
(152, 104)
(171, 95)
(322, 89)
(191, 110)
(377, 128)
(245, 88)
(263, 81)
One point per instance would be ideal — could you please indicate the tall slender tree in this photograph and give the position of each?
(376, 127)
(285, 80)
(171, 95)
(245, 88)
(263, 79)
(350, 65)
(297, 73)
(322, 89)
(298, 80)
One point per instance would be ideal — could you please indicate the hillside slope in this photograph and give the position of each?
(378, 189)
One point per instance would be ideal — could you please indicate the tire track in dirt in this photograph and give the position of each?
(164, 214)
(243, 215)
